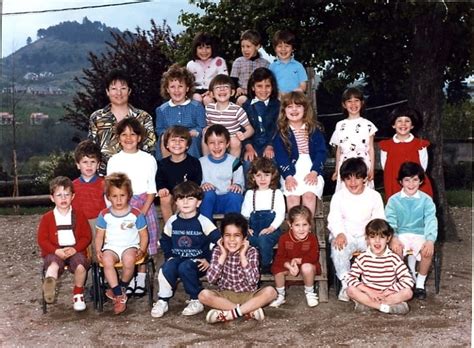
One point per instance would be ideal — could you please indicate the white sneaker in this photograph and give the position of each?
(343, 295)
(159, 308)
(278, 301)
(78, 302)
(193, 307)
(311, 299)
(257, 314)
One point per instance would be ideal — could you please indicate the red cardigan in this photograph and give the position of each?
(48, 234)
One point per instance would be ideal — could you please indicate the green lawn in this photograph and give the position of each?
(459, 198)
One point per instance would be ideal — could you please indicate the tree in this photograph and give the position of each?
(144, 55)
(404, 50)
(29, 40)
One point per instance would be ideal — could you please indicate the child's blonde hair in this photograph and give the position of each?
(300, 210)
(264, 165)
(118, 180)
(309, 117)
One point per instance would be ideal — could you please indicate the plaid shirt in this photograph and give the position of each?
(231, 275)
(102, 132)
(243, 68)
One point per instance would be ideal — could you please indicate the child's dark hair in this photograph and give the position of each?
(300, 210)
(87, 148)
(353, 167)
(405, 111)
(221, 79)
(118, 180)
(188, 189)
(251, 35)
(60, 181)
(284, 36)
(237, 220)
(203, 39)
(410, 169)
(261, 74)
(179, 73)
(353, 92)
(218, 130)
(378, 227)
(264, 165)
(117, 75)
(134, 125)
(177, 132)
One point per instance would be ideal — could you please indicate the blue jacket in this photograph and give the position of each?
(286, 162)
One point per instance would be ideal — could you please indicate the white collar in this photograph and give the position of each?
(385, 253)
(302, 127)
(255, 100)
(404, 195)
(186, 102)
(396, 140)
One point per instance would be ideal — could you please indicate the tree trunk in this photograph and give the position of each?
(431, 46)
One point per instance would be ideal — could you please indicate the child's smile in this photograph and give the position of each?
(411, 185)
(232, 238)
(177, 91)
(262, 89)
(353, 106)
(354, 185)
(377, 244)
(263, 180)
(403, 127)
(222, 93)
(177, 145)
(295, 113)
(217, 146)
(129, 140)
(204, 52)
(300, 227)
(284, 51)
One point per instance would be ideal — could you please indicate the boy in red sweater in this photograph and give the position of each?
(63, 237)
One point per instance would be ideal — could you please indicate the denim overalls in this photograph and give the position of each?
(264, 243)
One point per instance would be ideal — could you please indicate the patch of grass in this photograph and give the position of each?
(459, 198)
(24, 210)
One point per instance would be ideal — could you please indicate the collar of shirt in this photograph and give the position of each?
(279, 61)
(385, 253)
(396, 140)
(58, 213)
(404, 195)
(186, 102)
(220, 160)
(294, 129)
(256, 100)
(92, 180)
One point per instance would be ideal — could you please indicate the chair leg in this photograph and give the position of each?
(44, 305)
(437, 267)
(100, 289)
(149, 280)
(95, 290)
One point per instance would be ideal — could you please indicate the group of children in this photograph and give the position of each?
(272, 141)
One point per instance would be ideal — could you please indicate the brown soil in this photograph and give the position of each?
(442, 320)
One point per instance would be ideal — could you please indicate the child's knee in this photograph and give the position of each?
(307, 268)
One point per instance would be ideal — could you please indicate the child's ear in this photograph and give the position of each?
(51, 198)
(129, 91)
(78, 166)
(232, 92)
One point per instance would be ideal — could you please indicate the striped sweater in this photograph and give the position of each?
(380, 272)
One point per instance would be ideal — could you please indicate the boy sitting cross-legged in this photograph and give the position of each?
(379, 278)
(235, 270)
(185, 242)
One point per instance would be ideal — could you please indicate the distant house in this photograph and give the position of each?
(6, 118)
(37, 118)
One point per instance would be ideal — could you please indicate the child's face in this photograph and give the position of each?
(222, 93)
(377, 244)
(284, 51)
(353, 106)
(263, 89)
(295, 113)
(62, 198)
(403, 126)
(129, 140)
(262, 180)
(411, 185)
(88, 167)
(249, 49)
(187, 206)
(177, 145)
(217, 145)
(177, 91)
(232, 238)
(204, 52)
(300, 227)
(118, 92)
(355, 185)
(118, 196)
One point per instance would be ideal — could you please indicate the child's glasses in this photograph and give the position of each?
(222, 87)
(62, 195)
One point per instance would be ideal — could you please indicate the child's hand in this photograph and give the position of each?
(297, 260)
(203, 265)
(208, 187)
(243, 249)
(397, 246)
(224, 251)
(235, 188)
(340, 242)
(370, 174)
(61, 254)
(240, 135)
(268, 152)
(334, 176)
(294, 270)
(387, 292)
(239, 91)
(268, 230)
(164, 192)
(193, 133)
(375, 295)
(427, 250)
(140, 254)
(311, 178)
(99, 255)
(290, 183)
(69, 251)
(250, 232)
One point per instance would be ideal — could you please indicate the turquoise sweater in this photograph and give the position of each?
(415, 214)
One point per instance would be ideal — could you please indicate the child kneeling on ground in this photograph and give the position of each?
(388, 290)
(235, 270)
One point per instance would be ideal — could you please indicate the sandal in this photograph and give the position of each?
(139, 291)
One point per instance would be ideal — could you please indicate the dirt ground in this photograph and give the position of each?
(442, 320)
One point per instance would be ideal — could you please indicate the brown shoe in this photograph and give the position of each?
(49, 289)
(120, 303)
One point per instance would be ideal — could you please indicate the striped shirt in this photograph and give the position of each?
(301, 136)
(387, 271)
(233, 117)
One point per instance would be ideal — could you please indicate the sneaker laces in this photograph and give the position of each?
(221, 316)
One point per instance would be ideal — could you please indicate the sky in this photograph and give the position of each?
(16, 28)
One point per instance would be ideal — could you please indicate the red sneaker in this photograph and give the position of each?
(120, 303)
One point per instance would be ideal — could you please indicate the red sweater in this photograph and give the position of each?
(48, 233)
(290, 248)
(89, 197)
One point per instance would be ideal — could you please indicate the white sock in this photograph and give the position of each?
(384, 308)
(308, 289)
(140, 279)
(420, 281)
(412, 265)
(281, 291)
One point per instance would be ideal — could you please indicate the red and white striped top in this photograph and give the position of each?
(232, 118)
(387, 271)
(301, 136)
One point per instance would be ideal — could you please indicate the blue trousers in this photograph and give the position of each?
(263, 242)
(213, 203)
(184, 269)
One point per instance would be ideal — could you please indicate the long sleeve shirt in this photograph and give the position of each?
(222, 173)
(190, 114)
(263, 201)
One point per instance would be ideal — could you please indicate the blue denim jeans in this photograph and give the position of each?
(263, 242)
